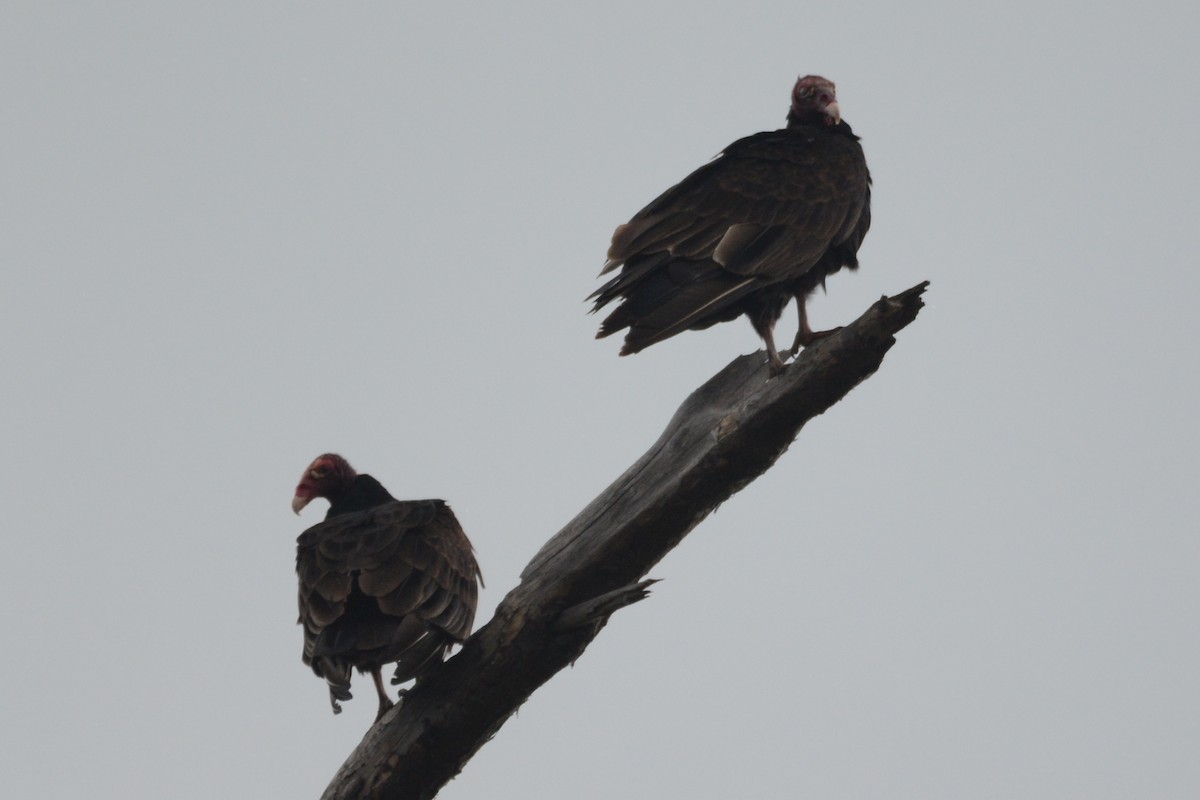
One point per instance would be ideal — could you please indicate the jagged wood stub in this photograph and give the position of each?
(727, 433)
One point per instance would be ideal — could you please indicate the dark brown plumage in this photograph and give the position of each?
(766, 221)
(381, 580)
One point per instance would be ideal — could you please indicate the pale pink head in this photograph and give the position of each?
(327, 476)
(814, 99)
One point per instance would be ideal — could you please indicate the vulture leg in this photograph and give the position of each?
(806, 335)
(766, 329)
(385, 702)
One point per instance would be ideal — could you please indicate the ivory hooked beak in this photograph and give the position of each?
(834, 112)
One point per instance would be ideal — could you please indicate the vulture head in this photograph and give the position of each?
(814, 100)
(327, 476)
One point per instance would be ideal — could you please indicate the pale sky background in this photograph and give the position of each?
(236, 235)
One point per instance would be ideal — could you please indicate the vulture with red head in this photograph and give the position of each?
(766, 221)
(382, 580)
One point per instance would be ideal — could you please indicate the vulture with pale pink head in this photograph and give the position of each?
(764, 222)
(382, 581)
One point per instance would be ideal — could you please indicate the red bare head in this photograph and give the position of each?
(814, 99)
(327, 476)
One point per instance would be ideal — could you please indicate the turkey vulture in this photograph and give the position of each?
(381, 580)
(765, 221)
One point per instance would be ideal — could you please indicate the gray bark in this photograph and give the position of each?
(727, 433)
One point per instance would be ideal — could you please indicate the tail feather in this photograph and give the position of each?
(419, 658)
(630, 275)
(667, 303)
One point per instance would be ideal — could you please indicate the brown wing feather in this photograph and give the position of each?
(806, 185)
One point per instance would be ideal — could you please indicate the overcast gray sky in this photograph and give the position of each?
(236, 235)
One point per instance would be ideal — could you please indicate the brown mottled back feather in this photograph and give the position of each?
(396, 582)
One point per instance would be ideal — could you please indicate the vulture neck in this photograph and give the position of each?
(818, 121)
(363, 492)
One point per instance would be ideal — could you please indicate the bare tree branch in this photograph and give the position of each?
(727, 433)
(598, 609)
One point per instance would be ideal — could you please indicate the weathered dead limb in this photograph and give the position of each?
(727, 433)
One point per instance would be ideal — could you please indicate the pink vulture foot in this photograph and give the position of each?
(775, 366)
(806, 337)
(385, 705)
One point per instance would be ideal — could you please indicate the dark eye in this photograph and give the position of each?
(318, 472)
